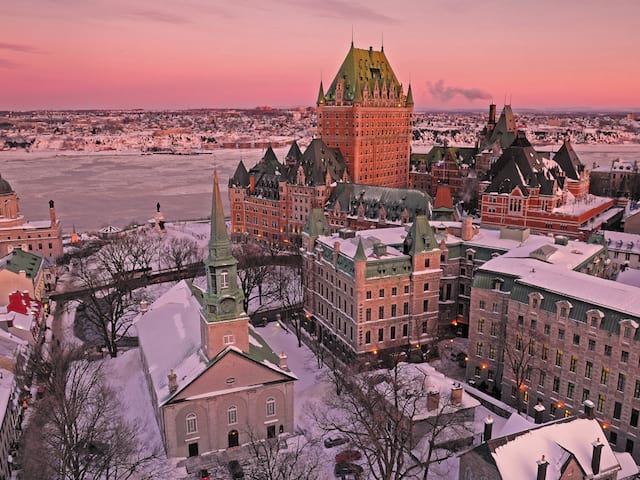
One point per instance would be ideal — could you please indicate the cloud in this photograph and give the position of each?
(16, 47)
(158, 16)
(341, 9)
(444, 94)
(4, 63)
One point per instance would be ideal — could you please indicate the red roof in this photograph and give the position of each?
(443, 197)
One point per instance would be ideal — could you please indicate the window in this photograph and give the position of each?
(556, 384)
(558, 358)
(545, 352)
(367, 337)
(636, 390)
(425, 305)
(573, 365)
(576, 339)
(476, 371)
(394, 310)
(624, 356)
(406, 289)
(547, 329)
(392, 333)
(492, 351)
(592, 345)
(483, 304)
(228, 339)
(405, 308)
(607, 350)
(494, 330)
(613, 437)
(519, 342)
(405, 330)
(561, 334)
(534, 324)
(481, 325)
(425, 287)
(604, 376)
(520, 320)
(587, 369)
(602, 400)
(368, 294)
(585, 394)
(621, 382)
(380, 313)
(479, 349)
(394, 291)
(629, 446)
(271, 406)
(617, 410)
(192, 423)
(494, 308)
(381, 334)
(424, 327)
(426, 263)
(543, 377)
(634, 418)
(232, 415)
(381, 293)
(532, 347)
(224, 279)
(367, 314)
(570, 389)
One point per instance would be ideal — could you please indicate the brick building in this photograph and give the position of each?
(548, 333)
(366, 113)
(369, 291)
(526, 189)
(41, 237)
(442, 165)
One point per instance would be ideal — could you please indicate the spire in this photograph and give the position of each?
(409, 101)
(320, 95)
(218, 226)
(359, 256)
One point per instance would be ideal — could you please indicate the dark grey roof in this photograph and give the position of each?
(5, 187)
(241, 177)
(568, 160)
(504, 130)
(350, 196)
(294, 153)
(267, 174)
(316, 161)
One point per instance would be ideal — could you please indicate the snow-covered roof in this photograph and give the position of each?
(581, 205)
(517, 457)
(169, 334)
(622, 242)
(630, 276)
(386, 236)
(7, 386)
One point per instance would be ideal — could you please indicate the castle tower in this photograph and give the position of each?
(367, 115)
(223, 322)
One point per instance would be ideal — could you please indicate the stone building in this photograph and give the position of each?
(374, 290)
(567, 449)
(366, 113)
(214, 382)
(620, 179)
(442, 165)
(41, 237)
(547, 333)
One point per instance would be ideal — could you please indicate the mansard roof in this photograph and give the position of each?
(439, 152)
(505, 129)
(349, 197)
(316, 161)
(363, 69)
(568, 160)
(267, 174)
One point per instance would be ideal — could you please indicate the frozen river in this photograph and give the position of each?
(92, 190)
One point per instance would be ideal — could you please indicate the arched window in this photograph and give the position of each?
(192, 423)
(271, 407)
(232, 414)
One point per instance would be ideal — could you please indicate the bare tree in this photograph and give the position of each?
(107, 277)
(77, 429)
(178, 252)
(289, 295)
(386, 415)
(520, 354)
(255, 271)
(283, 458)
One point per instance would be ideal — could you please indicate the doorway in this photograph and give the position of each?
(233, 438)
(193, 449)
(271, 431)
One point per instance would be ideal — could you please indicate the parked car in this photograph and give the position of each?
(204, 474)
(335, 441)
(348, 456)
(346, 468)
(236, 469)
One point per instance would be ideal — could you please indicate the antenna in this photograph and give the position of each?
(352, 35)
(509, 99)
(382, 42)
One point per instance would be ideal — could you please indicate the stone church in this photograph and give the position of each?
(214, 382)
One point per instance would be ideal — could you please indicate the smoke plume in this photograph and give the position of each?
(444, 94)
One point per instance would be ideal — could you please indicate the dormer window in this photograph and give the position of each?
(594, 317)
(535, 300)
(628, 328)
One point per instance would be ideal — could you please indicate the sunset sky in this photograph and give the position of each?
(160, 54)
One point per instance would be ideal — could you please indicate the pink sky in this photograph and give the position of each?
(209, 53)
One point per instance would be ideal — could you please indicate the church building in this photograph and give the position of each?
(215, 384)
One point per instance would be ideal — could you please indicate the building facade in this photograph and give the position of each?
(548, 333)
(43, 238)
(366, 113)
(371, 291)
(214, 382)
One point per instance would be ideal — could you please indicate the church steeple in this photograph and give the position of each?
(223, 315)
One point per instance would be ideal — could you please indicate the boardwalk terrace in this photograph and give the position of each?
(373, 290)
(367, 115)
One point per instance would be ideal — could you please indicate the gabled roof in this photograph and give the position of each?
(568, 160)
(267, 173)
(363, 68)
(21, 260)
(240, 177)
(438, 152)
(317, 224)
(294, 153)
(504, 130)
(318, 160)
(421, 237)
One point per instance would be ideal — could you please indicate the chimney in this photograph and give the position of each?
(492, 114)
(283, 361)
(252, 183)
(433, 400)
(488, 428)
(173, 382)
(336, 253)
(588, 409)
(539, 408)
(597, 454)
(456, 394)
(542, 468)
(52, 213)
(467, 228)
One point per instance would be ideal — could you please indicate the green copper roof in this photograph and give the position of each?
(363, 68)
(359, 251)
(218, 225)
(409, 97)
(317, 224)
(421, 236)
(320, 94)
(21, 260)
